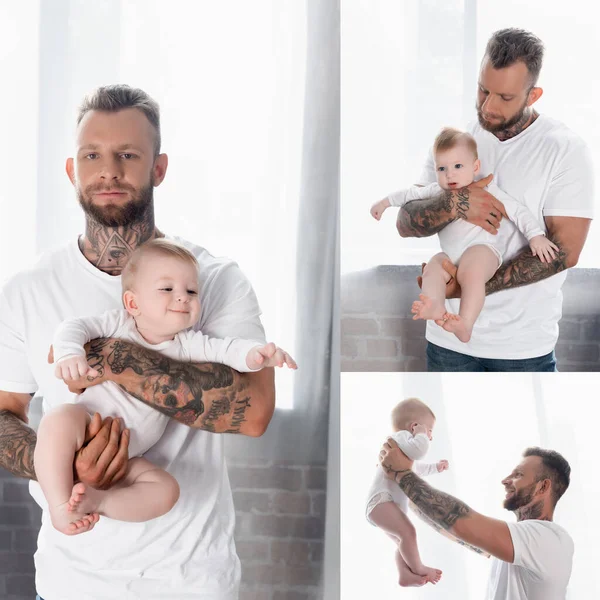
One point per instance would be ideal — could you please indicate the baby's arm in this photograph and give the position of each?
(527, 224)
(425, 469)
(401, 197)
(239, 354)
(71, 337)
(414, 446)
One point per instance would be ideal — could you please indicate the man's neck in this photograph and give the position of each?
(529, 116)
(109, 248)
(537, 511)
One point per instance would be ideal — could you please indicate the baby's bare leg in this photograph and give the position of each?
(431, 303)
(145, 493)
(61, 433)
(477, 266)
(388, 517)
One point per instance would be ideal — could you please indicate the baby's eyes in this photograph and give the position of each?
(193, 292)
(458, 166)
(441, 169)
(166, 289)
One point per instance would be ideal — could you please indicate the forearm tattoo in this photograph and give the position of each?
(525, 269)
(422, 218)
(441, 508)
(17, 445)
(207, 396)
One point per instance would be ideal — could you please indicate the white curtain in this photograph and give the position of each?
(484, 423)
(410, 68)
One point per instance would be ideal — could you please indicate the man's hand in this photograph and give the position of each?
(394, 461)
(442, 465)
(452, 287)
(103, 459)
(477, 206)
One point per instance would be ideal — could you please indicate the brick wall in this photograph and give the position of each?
(280, 512)
(378, 333)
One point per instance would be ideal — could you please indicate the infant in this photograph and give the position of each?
(161, 298)
(471, 248)
(387, 504)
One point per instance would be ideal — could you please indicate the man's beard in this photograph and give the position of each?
(520, 498)
(114, 215)
(502, 125)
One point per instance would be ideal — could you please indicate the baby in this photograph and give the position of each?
(473, 249)
(160, 295)
(412, 423)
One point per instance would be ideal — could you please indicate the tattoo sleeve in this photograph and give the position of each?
(441, 508)
(423, 218)
(17, 444)
(525, 269)
(208, 396)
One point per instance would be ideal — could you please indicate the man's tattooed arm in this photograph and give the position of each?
(423, 218)
(208, 396)
(441, 508)
(568, 233)
(491, 535)
(17, 440)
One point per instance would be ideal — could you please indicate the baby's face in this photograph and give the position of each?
(456, 168)
(166, 293)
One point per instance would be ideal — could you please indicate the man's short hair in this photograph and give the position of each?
(508, 46)
(408, 411)
(555, 468)
(449, 138)
(113, 98)
(155, 247)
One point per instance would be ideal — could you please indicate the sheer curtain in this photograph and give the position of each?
(483, 425)
(410, 68)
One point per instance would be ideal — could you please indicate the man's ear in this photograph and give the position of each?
(130, 303)
(534, 95)
(70, 169)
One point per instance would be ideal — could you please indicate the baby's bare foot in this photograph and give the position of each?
(458, 326)
(85, 499)
(71, 522)
(427, 308)
(431, 575)
(410, 579)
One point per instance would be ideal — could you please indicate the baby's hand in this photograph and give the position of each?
(379, 208)
(543, 248)
(419, 429)
(269, 356)
(73, 367)
(443, 465)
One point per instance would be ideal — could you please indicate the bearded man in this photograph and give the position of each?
(539, 162)
(533, 557)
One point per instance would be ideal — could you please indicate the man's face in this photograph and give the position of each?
(520, 485)
(114, 170)
(503, 95)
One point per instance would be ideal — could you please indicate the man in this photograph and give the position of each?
(189, 552)
(533, 558)
(539, 162)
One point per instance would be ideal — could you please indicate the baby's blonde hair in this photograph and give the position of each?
(449, 138)
(155, 247)
(408, 411)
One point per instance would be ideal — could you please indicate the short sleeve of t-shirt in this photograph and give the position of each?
(571, 192)
(540, 547)
(428, 172)
(15, 374)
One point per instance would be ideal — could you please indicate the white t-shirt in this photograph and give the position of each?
(459, 235)
(542, 566)
(549, 169)
(187, 553)
(145, 423)
(415, 447)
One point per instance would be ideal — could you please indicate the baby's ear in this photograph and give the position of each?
(130, 304)
(477, 166)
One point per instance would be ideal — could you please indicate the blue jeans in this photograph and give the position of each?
(442, 360)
